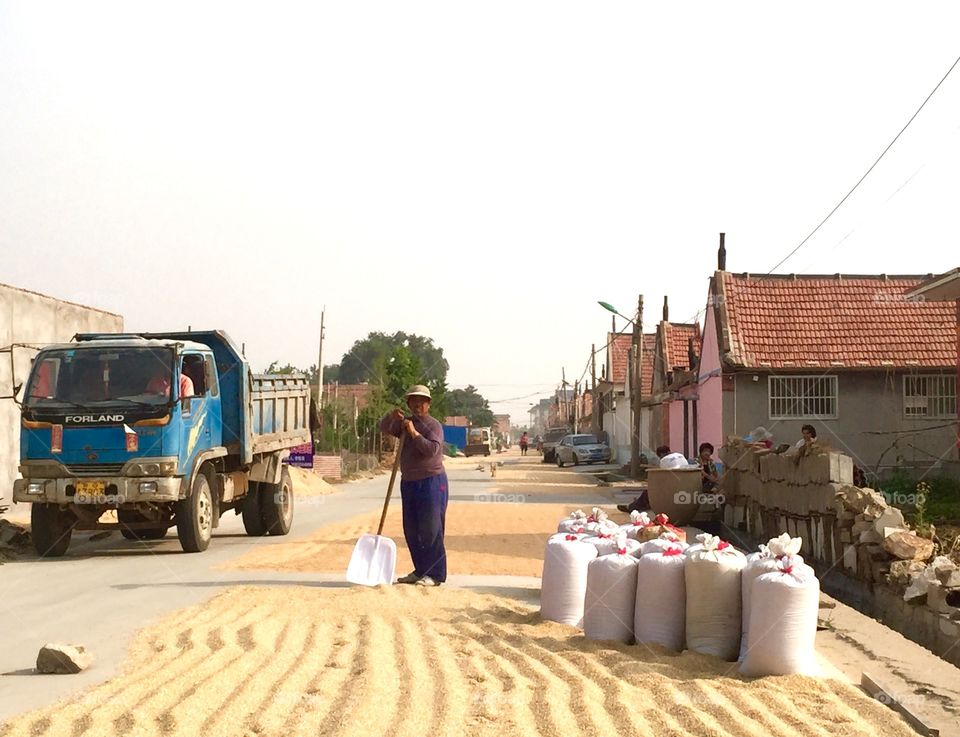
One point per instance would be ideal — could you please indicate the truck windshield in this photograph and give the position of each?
(88, 377)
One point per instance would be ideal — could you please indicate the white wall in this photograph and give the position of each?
(619, 429)
(35, 320)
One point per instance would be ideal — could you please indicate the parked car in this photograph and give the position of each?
(553, 436)
(582, 448)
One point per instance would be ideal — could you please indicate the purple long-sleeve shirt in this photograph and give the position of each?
(422, 456)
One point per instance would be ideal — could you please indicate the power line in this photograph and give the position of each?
(872, 166)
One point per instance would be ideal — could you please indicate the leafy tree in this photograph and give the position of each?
(276, 368)
(366, 361)
(470, 403)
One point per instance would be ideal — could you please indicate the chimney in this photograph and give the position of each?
(666, 310)
(691, 355)
(722, 255)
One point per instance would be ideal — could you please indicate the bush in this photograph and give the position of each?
(941, 496)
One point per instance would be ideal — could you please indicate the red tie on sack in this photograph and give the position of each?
(571, 537)
(673, 551)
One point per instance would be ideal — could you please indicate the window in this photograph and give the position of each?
(802, 397)
(930, 395)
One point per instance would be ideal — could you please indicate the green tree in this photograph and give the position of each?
(470, 403)
(366, 361)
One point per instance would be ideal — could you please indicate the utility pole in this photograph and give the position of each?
(576, 406)
(320, 360)
(595, 405)
(564, 412)
(637, 375)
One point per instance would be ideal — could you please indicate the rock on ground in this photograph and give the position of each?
(55, 657)
(908, 546)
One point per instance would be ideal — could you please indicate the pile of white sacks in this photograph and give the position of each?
(619, 583)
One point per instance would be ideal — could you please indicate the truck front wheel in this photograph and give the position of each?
(51, 529)
(195, 517)
(276, 505)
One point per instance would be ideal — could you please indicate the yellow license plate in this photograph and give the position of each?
(90, 487)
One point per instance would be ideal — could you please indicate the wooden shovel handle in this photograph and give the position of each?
(393, 477)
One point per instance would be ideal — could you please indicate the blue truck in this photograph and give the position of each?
(164, 429)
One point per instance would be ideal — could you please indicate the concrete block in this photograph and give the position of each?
(850, 558)
(841, 468)
(819, 538)
(891, 517)
(864, 564)
(815, 469)
(821, 497)
(870, 537)
(860, 526)
(937, 600)
(950, 628)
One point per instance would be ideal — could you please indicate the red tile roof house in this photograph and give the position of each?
(613, 396)
(674, 385)
(873, 370)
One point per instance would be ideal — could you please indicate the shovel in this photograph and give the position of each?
(374, 559)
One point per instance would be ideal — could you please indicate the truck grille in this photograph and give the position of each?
(94, 469)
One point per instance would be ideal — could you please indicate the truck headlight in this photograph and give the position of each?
(151, 468)
(35, 487)
(42, 470)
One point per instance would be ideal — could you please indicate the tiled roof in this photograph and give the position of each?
(677, 336)
(620, 355)
(834, 322)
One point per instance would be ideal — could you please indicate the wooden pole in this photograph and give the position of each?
(576, 406)
(320, 361)
(637, 375)
(563, 409)
(595, 409)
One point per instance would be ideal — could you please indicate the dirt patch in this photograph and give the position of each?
(307, 483)
(499, 537)
(406, 661)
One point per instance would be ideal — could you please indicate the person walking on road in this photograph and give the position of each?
(423, 487)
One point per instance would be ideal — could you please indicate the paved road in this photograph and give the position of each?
(101, 593)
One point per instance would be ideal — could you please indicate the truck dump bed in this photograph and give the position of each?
(261, 413)
(281, 412)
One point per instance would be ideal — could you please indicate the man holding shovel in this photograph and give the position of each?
(423, 487)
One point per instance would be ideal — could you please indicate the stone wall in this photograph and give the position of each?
(861, 547)
(767, 494)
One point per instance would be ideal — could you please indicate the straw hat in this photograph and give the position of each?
(418, 390)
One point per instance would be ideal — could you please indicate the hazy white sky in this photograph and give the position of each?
(481, 174)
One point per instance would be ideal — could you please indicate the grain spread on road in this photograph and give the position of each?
(482, 538)
(404, 660)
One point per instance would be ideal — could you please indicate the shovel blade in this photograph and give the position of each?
(374, 561)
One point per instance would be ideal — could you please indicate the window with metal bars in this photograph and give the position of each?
(802, 397)
(930, 395)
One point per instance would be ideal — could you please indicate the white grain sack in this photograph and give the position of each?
(611, 596)
(563, 586)
(712, 577)
(660, 611)
(783, 622)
